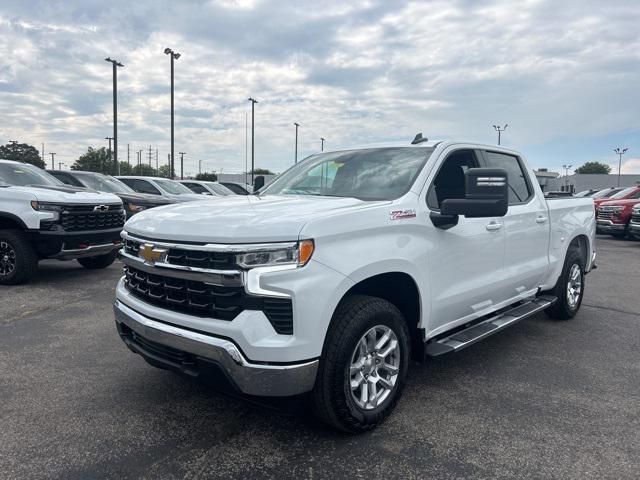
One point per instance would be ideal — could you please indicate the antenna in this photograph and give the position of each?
(419, 139)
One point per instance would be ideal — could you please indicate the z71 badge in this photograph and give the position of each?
(401, 214)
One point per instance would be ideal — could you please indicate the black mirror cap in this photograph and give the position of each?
(486, 194)
(258, 183)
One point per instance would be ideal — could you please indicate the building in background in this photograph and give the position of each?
(596, 181)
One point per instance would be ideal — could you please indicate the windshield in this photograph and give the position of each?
(584, 193)
(23, 174)
(172, 187)
(219, 189)
(607, 192)
(623, 193)
(103, 183)
(369, 174)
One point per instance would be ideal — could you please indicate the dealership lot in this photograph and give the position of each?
(543, 399)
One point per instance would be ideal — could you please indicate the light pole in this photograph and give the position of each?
(108, 153)
(322, 144)
(60, 165)
(566, 176)
(115, 64)
(182, 154)
(620, 152)
(174, 56)
(500, 130)
(140, 162)
(253, 104)
(296, 157)
(53, 163)
(199, 167)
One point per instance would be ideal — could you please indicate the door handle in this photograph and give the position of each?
(541, 219)
(493, 226)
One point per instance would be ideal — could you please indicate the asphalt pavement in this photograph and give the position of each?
(542, 399)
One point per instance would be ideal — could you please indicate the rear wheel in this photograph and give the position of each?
(364, 364)
(570, 287)
(98, 262)
(18, 260)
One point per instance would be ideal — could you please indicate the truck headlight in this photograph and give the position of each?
(47, 207)
(297, 253)
(135, 208)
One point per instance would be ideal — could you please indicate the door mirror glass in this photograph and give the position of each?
(486, 195)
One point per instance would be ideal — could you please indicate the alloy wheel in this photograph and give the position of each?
(574, 286)
(7, 259)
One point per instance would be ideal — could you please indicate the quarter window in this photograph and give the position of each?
(519, 189)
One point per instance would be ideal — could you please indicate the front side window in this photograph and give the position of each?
(141, 186)
(173, 187)
(519, 190)
(368, 174)
(196, 187)
(23, 175)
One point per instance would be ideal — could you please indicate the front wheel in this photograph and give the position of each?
(98, 262)
(569, 289)
(18, 260)
(364, 364)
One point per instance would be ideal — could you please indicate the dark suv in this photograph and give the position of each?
(133, 202)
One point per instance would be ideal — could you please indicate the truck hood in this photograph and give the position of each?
(621, 202)
(238, 218)
(66, 194)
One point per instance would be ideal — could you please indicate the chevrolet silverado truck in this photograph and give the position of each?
(634, 223)
(613, 217)
(41, 218)
(347, 266)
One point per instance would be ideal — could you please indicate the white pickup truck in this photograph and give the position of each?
(346, 266)
(40, 217)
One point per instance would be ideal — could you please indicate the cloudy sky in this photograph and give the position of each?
(563, 74)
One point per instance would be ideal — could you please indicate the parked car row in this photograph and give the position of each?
(74, 215)
(614, 215)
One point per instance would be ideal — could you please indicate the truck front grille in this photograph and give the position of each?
(605, 214)
(204, 300)
(191, 258)
(635, 218)
(77, 218)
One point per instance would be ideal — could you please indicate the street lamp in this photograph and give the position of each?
(174, 56)
(620, 152)
(199, 167)
(115, 64)
(253, 104)
(108, 151)
(182, 154)
(297, 125)
(53, 163)
(500, 130)
(321, 144)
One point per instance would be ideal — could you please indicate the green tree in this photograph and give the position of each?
(125, 168)
(144, 170)
(164, 171)
(21, 152)
(594, 167)
(94, 160)
(207, 177)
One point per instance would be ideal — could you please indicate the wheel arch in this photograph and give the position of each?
(10, 221)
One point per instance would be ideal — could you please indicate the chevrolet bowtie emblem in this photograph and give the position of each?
(150, 253)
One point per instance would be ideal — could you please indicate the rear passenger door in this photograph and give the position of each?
(526, 226)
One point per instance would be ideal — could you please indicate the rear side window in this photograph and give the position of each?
(519, 189)
(196, 187)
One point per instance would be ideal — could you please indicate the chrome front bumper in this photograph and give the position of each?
(249, 378)
(606, 226)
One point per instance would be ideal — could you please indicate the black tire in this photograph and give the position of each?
(333, 401)
(564, 308)
(101, 261)
(18, 260)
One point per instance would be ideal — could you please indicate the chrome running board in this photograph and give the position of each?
(479, 331)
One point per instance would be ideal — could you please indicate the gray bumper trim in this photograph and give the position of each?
(90, 251)
(609, 226)
(250, 378)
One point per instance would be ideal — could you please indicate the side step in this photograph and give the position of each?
(463, 338)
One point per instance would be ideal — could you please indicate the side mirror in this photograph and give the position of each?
(486, 195)
(258, 183)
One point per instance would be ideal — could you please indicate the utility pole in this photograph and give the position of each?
(128, 162)
(182, 154)
(157, 166)
(169, 163)
(109, 154)
(140, 161)
(296, 157)
(246, 146)
(53, 163)
(149, 155)
(199, 167)
(620, 152)
(115, 64)
(174, 56)
(322, 144)
(253, 164)
(500, 130)
(43, 152)
(60, 165)
(566, 176)
(13, 148)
